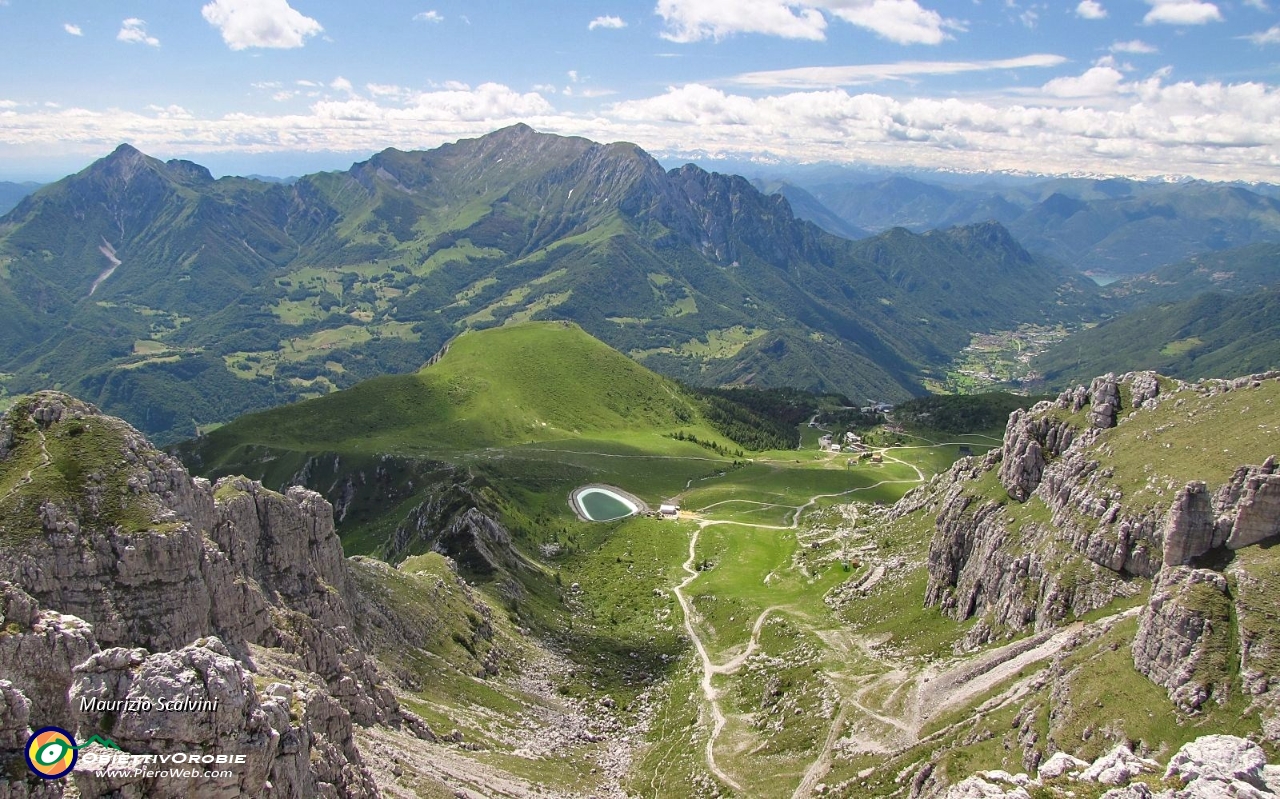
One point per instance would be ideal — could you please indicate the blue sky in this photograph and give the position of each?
(1133, 87)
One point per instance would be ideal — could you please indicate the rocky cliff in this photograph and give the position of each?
(124, 579)
(1132, 484)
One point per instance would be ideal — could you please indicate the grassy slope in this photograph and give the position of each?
(503, 386)
(1212, 334)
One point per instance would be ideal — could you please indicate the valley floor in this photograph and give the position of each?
(782, 679)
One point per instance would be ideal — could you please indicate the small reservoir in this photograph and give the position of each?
(602, 503)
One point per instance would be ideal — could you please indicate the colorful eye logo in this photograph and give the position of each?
(51, 753)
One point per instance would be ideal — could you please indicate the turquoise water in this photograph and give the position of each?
(601, 507)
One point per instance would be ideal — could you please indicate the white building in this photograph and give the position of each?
(666, 511)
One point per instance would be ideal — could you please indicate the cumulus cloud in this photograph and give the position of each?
(901, 21)
(74, 30)
(1181, 12)
(1098, 81)
(859, 74)
(134, 31)
(259, 23)
(606, 22)
(1135, 46)
(428, 16)
(1269, 36)
(1140, 128)
(1091, 9)
(1097, 122)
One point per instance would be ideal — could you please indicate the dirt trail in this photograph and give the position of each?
(925, 695)
(45, 460)
(708, 668)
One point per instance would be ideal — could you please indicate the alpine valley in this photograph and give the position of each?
(525, 467)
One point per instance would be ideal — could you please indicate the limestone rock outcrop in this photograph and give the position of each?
(39, 650)
(124, 695)
(452, 522)
(1031, 440)
(1210, 767)
(186, 587)
(1067, 535)
(1184, 628)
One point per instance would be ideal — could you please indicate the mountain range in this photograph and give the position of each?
(11, 193)
(179, 301)
(1214, 314)
(1106, 227)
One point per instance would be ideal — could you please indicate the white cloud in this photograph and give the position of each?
(1091, 9)
(386, 90)
(1096, 122)
(488, 102)
(341, 84)
(134, 31)
(824, 77)
(259, 23)
(1181, 12)
(1261, 5)
(74, 30)
(692, 20)
(1098, 81)
(606, 22)
(8, 104)
(1269, 36)
(428, 16)
(573, 75)
(901, 21)
(1140, 128)
(170, 112)
(1135, 46)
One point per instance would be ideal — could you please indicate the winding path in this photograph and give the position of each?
(45, 460)
(935, 690)
(710, 669)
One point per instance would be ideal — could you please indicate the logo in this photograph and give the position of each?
(51, 753)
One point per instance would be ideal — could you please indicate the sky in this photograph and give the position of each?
(1114, 87)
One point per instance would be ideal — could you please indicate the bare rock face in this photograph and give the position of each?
(1254, 495)
(39, 649)
(190, 594)
(1118, 767)
(1104, 401)
(224, 717)
(1183, 628)
(1031, 440)
(1243, 512)
(1189, 529)
(1222, 759)
(452, 523)
(1092, 542)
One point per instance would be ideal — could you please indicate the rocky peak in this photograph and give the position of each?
(175, 577)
